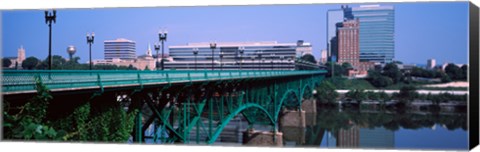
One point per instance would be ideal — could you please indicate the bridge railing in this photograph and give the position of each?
(24, 80)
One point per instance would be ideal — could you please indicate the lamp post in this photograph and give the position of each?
(271, 57)
(195, 53)
(213, 45)
(162, 36)
(263, 63)
(221, 62)
(260, 58)
(157, 47)
(241, 56)
(289, 59)
(90, 38)
(49, 18)
(253, 60)
(281, 61)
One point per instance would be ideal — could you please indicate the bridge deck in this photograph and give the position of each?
(23, 81)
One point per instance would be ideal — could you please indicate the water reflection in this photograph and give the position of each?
(390, 130)
(353, 128)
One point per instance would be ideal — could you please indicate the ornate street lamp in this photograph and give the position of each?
(260, 58)
(241, 49)
(162, 35)
(271, 57)
(263, 63)
(49, 18)
(281, 61)
(213, 45)
(90, 38)
(195, 53)
(289, 59)
(253, 60)
(157, 48)
(221, 62)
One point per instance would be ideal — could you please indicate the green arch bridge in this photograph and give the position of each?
(177, 101)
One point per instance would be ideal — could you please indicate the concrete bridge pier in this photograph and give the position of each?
(310, 107)
(262, 138)
(293, 124)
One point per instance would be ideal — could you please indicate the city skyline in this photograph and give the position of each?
(415, 33)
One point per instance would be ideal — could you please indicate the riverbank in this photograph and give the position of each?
(423, 100)
(455, 92)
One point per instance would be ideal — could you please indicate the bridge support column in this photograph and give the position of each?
(262, 138)
(310, 107)
(292, 118)
(293, 124)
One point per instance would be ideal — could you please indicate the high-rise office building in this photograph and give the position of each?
(348, 42)
(376, 31)
(377, 28)
(234, 55)
(335, 16)
(122, 49)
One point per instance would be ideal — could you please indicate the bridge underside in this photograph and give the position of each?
(178, 110)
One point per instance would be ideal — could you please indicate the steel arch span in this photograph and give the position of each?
(183, 106)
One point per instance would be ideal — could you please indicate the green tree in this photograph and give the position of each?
(130, 67)
(358, 95)
(373, 95)
(337, 69)
(6, 62)
(345, 67)
(58, 62)
(383, 96)
(445, 78)
(309, 58)
(391, 70)
(326, 93)
(30, 63)
(378, 80)
(454, 72)
(464, 71)
(408, 92)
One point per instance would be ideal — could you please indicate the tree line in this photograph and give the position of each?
(60, 63)
(327, 95)
(390, 74)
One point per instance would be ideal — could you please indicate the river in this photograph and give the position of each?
(353, 128)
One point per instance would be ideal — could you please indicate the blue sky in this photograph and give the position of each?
(422, 30)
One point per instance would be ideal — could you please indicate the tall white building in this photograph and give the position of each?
(431, 63)
(18, 59)
(323, 56)
(21, 55)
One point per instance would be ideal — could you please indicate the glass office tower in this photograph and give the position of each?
(334, 17)
(377, 28)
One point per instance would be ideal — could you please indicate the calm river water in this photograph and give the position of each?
(375, 129)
